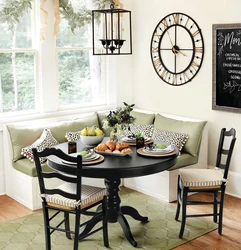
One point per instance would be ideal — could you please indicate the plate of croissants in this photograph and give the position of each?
(112, 148)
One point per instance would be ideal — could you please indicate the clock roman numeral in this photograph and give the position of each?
(154, 50)
(165, 23)
(156, 35)
(157, 63)
(176, 18)
(164, 74)
(199, 49)
(196, 33)
(174, 80)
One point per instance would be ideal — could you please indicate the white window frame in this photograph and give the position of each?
(46, 61)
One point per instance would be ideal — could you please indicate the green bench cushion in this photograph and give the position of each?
(193, 129)
(184, 160)
(23, 136)
(28, 167)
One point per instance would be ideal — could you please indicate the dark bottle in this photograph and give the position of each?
(140, 142)
(72, 147)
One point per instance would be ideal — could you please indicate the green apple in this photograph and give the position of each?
(138, 134)
(161, 146)
(84, 131)
(98, 132)
(84, 153)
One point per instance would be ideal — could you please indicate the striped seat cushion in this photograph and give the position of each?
(89, 195)
(201, 177)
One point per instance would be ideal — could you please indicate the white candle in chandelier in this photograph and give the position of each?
(108, 26)
(102, 27)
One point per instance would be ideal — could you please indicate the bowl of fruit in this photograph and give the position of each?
(91, 136)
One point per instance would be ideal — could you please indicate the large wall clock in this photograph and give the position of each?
(177, 49)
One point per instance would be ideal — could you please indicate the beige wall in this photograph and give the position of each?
(193, 99)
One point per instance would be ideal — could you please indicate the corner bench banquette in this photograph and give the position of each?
(20, 172)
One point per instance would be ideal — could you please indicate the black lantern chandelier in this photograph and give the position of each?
(111, 31)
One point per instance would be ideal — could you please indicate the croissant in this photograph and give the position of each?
(126, 151)
(121, 146)
(101, 147)
(111, 145)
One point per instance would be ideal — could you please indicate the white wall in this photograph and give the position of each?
(193, 99)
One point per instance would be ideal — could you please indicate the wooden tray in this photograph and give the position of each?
(141, 152)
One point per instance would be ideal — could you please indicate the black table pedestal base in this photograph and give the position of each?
(115, 212)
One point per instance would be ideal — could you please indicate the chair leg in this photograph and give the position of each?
(215, 206)
(178, 198)
(220, 220)
(184, 207)
(46, 226)
(105, 223)
(77, 228)
(67, 226)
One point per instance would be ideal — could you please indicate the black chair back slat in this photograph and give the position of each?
(59, 176)
(60, 192)
(227, 152)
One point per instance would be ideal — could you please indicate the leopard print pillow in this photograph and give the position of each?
(172, 138)
(46, 140)
(146, 130)
(72, 136)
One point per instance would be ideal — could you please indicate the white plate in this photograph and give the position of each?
(127, 139)
(167, 150)
(90, 157)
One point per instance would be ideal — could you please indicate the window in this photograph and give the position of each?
(55, 74)
(17, 65)
(81, 76)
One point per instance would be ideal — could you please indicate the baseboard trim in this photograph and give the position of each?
(234, 183)
(2, 184)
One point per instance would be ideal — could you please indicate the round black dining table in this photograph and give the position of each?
(112, 169)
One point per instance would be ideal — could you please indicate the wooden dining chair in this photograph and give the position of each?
(207, 180)
(71, 197)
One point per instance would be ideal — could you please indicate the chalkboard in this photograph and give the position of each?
(227, 67)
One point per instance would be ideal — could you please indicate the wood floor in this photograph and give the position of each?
(230, 239)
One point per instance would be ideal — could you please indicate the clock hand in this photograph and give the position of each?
(178, 51)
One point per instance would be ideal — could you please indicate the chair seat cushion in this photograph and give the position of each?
(89, 195)
(201, 177)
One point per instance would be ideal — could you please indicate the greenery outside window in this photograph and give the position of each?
(17, 65)
(81, 76)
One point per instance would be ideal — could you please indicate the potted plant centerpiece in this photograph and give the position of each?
(119, 120)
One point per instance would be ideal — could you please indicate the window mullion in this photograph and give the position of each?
(48, 69)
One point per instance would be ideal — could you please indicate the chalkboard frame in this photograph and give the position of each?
(217, 27)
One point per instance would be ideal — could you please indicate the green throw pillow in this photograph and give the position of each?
(143, 118)
(192, 129)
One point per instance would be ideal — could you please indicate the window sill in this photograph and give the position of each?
(63, 113)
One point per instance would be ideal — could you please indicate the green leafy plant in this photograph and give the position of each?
(120, 118)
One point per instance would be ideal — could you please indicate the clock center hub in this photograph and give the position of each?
(175, 49)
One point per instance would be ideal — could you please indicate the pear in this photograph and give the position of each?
(91, 132)
(84, 131)
(98, 132)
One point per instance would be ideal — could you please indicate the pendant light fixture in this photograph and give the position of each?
(111, 31)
